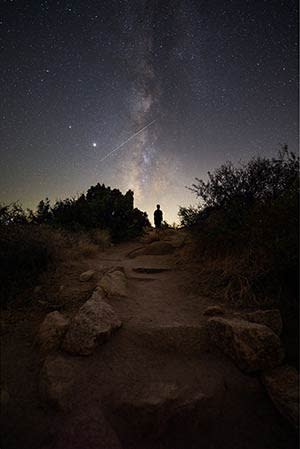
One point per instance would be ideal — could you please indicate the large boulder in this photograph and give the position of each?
(114, 283)
(282, 384)
(93, 324)
(56, 382)
(51, 331)
(271, 318)
(252, 346)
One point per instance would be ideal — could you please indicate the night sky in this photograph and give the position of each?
(214, 80)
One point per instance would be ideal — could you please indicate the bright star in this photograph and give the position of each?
(94, 144)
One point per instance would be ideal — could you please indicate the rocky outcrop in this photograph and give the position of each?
(56, 382)
(51, 331)
(93, 324)
(282, 385)
(252, 346)
(87, 276)
(114, 283)
(271, 318)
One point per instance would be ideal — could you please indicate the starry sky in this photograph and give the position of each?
(141, 94)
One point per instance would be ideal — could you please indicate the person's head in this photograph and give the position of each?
(157, 206)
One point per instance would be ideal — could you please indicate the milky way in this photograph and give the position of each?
(220, 79)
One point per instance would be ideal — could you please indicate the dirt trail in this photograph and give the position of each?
(161, 346)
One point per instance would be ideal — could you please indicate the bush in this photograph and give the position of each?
(246, 229)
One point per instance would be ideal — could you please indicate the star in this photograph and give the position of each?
(94, 144)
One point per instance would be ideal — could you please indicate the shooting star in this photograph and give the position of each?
(127, 140)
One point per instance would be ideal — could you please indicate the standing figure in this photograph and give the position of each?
(158, 217)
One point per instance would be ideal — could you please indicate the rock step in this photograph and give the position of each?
(141, 278)
(174, 337)
(151, 270)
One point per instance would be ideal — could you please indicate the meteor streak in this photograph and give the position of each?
(127, 140)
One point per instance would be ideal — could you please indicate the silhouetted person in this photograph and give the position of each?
(158, 216)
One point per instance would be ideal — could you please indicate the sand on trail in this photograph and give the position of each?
(161, 346)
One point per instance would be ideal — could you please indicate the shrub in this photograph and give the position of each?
(246, 231)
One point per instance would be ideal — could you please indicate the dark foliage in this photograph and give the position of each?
(254, 205)
(101, 207)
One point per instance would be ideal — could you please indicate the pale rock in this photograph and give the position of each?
(93, 324)
(114, 283)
